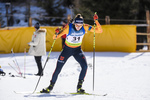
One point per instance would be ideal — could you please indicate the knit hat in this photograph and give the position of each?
(37, 25)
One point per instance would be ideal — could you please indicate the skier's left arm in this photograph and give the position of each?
(98, 28)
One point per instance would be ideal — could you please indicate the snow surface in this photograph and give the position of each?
(123, 76)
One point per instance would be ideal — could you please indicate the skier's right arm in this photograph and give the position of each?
(65, 31)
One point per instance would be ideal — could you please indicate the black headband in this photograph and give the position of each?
(78, 20)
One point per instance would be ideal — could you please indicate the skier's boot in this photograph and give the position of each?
(39, 74)
(48, 89)
(79, 87)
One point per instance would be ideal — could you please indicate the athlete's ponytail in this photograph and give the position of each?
(78, 16)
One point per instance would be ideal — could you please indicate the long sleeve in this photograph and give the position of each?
(35, 40)
(65, 31)
(98, 28)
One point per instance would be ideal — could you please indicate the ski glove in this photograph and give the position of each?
(95, 17)
(57, 30)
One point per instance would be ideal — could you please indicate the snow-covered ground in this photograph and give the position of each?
(123, 76)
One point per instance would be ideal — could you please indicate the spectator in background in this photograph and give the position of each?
(38, 47)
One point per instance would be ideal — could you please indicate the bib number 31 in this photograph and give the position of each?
(76, 39)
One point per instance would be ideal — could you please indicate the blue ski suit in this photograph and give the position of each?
(69, 51)
(73, 48)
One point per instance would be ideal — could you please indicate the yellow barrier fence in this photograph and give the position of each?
(118, 38)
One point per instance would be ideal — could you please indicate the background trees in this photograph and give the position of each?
(56, 10)
(116, 9)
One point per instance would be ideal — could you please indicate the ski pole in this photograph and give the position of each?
(94, 55)
(16, 66)
(24, 61)
(48, 57)
(12, 67)
(16, 61)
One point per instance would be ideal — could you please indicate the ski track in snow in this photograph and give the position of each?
(123, 76)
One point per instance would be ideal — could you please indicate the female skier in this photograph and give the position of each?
(75, 33)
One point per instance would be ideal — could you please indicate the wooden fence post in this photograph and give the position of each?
(107, 20)
(148, 27)
(68, 18)
(30, 22)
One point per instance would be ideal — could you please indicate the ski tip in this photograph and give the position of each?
(27, 92)
(75, 93)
